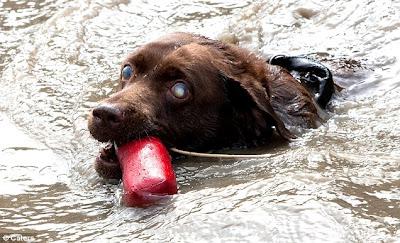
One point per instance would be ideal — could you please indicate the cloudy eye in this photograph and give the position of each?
(126, 72)
(180, 90)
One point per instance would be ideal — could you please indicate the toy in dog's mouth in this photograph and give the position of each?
(147, 172)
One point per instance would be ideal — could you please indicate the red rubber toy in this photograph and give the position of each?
(147, 172)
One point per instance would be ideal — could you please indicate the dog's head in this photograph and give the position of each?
(191, 92)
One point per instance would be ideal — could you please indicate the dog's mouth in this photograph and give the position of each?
(107, 163)
(108, 153)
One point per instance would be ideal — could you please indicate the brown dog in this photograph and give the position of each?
(198, 94)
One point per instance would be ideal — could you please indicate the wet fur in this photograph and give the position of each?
(236, 97)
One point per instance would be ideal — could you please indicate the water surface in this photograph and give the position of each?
(337, 183)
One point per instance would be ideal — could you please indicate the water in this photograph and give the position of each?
(337, 183)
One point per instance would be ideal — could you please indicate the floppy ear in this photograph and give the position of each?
(248, 91)
(292, 103)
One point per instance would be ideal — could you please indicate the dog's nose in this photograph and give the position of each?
(108, 115)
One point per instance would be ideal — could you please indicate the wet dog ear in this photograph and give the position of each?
(247, 93)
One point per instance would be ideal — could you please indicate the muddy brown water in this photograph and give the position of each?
(337, 183)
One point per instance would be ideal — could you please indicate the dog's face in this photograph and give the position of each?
(167, 90)
(190, 91)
